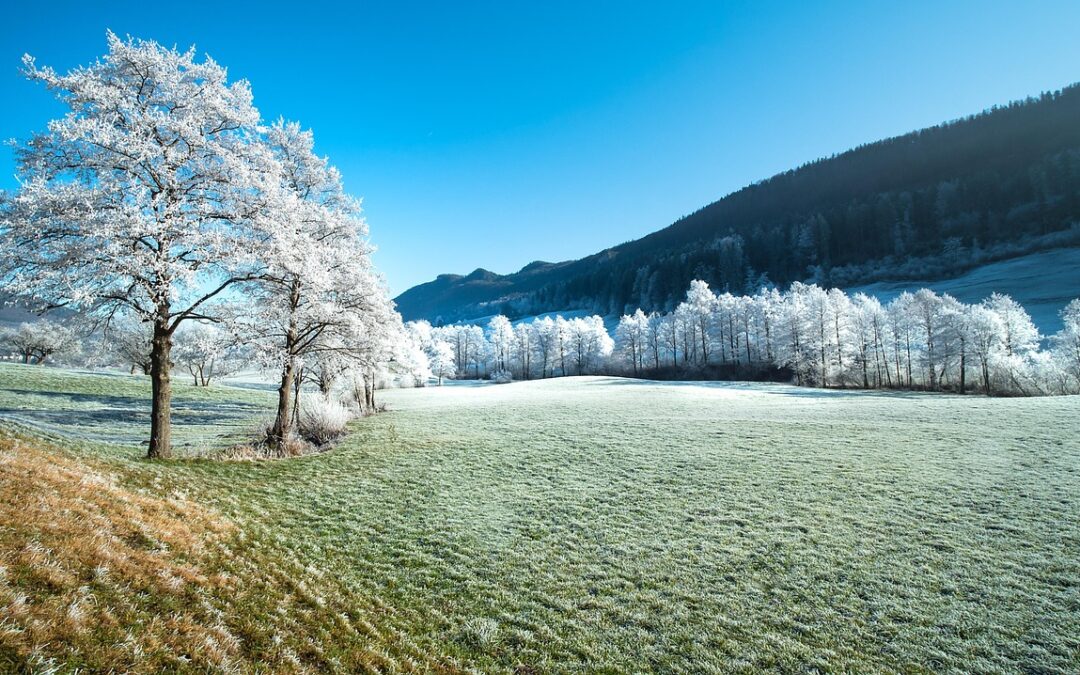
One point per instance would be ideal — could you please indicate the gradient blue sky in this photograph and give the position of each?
(494, 134)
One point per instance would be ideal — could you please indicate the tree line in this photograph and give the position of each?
(808, 334)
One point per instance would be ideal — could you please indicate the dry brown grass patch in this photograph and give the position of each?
(95, 574)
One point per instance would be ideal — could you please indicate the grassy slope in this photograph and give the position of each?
(623, 525)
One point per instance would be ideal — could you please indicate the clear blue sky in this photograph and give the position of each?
(494, 134)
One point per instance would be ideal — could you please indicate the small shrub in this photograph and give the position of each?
(502, 377)
(322, 421)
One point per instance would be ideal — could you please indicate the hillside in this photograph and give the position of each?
(930, 204)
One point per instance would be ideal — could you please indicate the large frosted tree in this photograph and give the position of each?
(319, 292)
(144, 198)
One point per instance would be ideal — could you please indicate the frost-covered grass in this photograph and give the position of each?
(114, 407)
(606, 524)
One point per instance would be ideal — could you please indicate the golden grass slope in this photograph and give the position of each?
(96, 574)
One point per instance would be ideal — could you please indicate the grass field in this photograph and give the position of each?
(580, 524)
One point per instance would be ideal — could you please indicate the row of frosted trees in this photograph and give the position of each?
(543, 347)
(817, 337)
(827, 338)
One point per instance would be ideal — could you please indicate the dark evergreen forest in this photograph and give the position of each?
(927, 204)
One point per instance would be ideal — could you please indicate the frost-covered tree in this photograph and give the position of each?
(318, 291)
(825, 337)
(37, 341)
(129, 341)
(206, 351)
(410, 361)
(864, 336)
(1019, 341)
(501, 335)
(794, 349)
(699, 307)
(743, 325)
(562, 337)
(983, 329)
(669, 328)
(590, 343)
(544, 339)
(953, 344)
(902, 325)
(421, 333)
(144, 198)
(768, 307)
(441, 359)
(840, 313)
(478, 349)
(470, 346)
(928, 312)
(1066, 345)
(523, 349)
(1019, 335)
(631, 337)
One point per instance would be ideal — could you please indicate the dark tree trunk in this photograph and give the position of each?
(963, 372)
(161, 387)
(283, 420)
(298, 382)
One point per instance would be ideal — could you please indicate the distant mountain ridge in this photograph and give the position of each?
(926, 204)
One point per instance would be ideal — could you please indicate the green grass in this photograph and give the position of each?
(614, 525)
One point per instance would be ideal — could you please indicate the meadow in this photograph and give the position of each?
(592, 524)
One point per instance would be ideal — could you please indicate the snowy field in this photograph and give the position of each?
(619, 525)
(1042, 282)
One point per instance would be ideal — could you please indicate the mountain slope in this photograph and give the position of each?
(929, 204)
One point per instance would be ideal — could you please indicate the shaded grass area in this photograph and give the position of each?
(600, 524)
(115, 408)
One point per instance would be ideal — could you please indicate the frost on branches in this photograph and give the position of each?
(159, 196)
(145, 197)
(825, 338)
(807, 335)
(318, 295)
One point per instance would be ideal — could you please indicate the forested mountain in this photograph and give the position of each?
(926, 204)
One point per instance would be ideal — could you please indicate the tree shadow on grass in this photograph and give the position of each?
(135, 403)
(117, 418)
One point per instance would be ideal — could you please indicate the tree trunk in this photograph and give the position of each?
(298, 382)
(963, 372)
(369, 391)
(840, 353)
(161, 387)
(283, 421)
